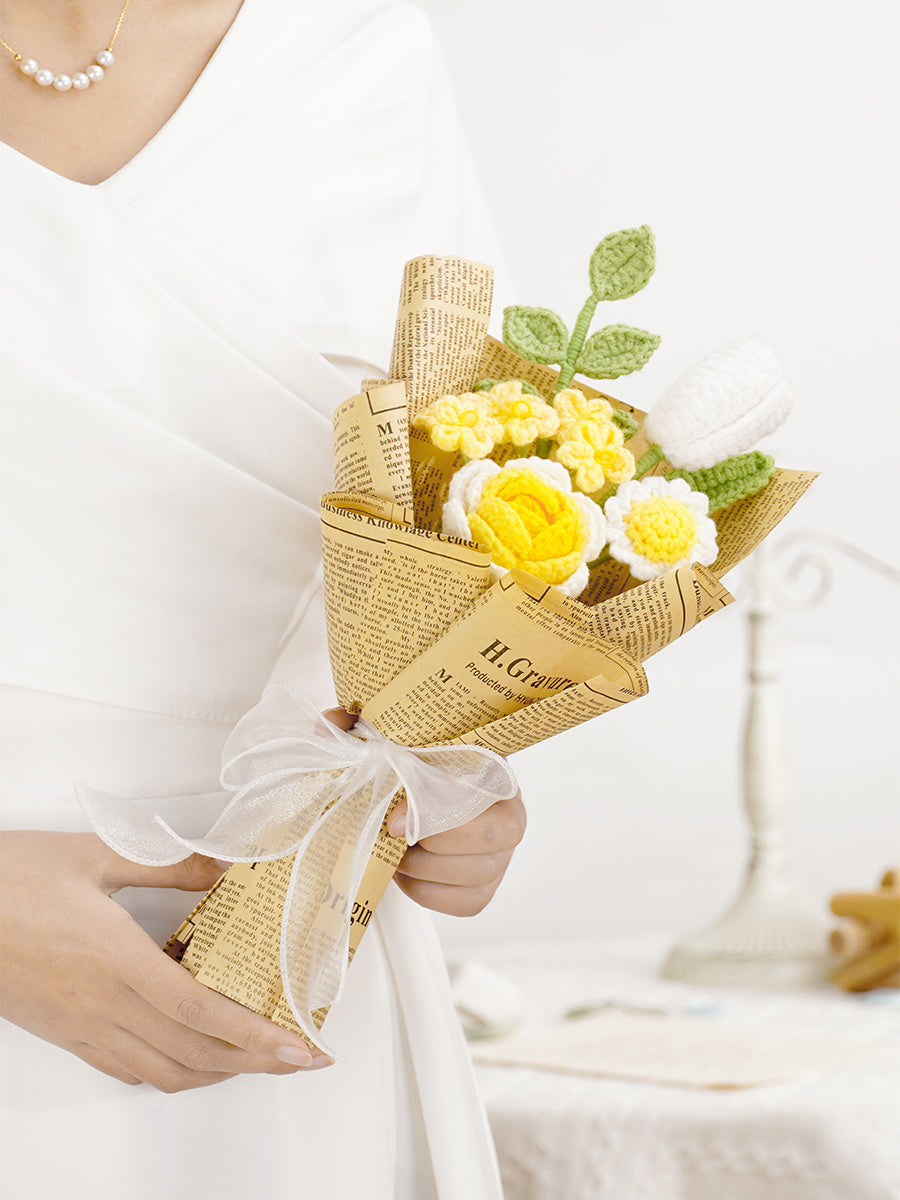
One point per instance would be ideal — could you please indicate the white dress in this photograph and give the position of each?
(172, 343)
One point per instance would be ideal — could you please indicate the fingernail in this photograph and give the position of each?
(321, 1060)
(297, 1056)
(397, 826)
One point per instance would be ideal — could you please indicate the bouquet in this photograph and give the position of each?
(502, 553)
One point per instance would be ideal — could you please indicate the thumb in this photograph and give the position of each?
(340, 717)
(195, 873)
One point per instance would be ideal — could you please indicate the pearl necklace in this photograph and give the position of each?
(78, 81)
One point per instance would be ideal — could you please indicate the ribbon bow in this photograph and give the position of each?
(299, 785)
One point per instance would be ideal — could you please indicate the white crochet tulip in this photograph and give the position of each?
(720, 407)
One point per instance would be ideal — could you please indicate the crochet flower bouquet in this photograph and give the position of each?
(587, 493)
(503, 552)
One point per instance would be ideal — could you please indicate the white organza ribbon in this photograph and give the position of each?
(299, 784)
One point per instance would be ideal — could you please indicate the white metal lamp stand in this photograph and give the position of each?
(771, 934)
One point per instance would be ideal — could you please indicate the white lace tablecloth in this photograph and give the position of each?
(830, 1132)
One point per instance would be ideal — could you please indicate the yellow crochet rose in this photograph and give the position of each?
(528, 515)
(461, 423)
(524, 417)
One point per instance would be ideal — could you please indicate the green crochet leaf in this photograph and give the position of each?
(483, 385)
(626, 422)
(538, 334)
(622, 264)
(616, 350)
(732, 480)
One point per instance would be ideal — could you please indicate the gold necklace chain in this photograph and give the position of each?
(80, 79)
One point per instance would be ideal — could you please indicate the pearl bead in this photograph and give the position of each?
(80, 80)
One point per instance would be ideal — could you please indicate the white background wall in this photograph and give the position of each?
(761, 145)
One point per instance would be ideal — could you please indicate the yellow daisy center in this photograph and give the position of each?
(661, 529)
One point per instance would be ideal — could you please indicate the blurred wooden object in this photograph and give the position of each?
(866, 945)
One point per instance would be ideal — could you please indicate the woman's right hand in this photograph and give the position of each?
(79, 972)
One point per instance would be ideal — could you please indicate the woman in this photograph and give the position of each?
(203, 249)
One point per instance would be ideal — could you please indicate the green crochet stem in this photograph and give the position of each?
(602, 557)
(576, 344)
(625, 422)
(648, 460)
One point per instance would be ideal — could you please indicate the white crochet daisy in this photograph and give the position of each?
(655, 525)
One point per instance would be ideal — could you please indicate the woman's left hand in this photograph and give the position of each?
(457, 872)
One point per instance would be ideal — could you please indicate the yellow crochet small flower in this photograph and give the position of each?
(572, 405)
(528, 515)
(524, 417)
(593, 449)
(656, 525)
(461, 423)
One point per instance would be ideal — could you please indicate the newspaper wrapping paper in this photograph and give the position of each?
(293, 776)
